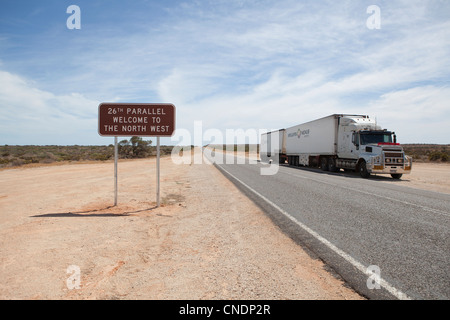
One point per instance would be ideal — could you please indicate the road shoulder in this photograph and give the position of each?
(208, 241)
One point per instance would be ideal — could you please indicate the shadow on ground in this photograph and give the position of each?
(90, 213)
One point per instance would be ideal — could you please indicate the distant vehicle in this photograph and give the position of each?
(339, 141)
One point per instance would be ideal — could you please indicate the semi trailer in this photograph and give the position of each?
(273, 145)
(339, 141)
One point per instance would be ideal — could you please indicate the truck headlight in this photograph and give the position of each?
(388, 160)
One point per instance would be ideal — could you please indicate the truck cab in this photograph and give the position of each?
(365, 147)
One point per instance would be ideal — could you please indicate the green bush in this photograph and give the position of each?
(434, 156)
(135, 148)
(101, 156)
(438, 155)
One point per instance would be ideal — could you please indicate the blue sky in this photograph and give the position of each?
(231, 64)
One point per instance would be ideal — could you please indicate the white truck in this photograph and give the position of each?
(339, 141)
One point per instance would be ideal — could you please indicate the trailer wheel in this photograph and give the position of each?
(324, 164)
(363, 170)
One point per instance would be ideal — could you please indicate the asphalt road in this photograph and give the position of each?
(385, 240)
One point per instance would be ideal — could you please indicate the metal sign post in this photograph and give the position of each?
(116, 156)
(136, 119)
(157, 172)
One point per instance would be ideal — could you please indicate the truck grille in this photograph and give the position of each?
(393, 158)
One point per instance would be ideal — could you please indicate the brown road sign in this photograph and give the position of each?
(136, 119)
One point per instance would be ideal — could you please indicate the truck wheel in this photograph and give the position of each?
(396, 175)
(332, 165)
(363, 170)
(324, 164)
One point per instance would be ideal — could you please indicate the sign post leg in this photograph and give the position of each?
(157, 172)
(116, 156)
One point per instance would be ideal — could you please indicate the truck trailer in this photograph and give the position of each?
(273, 144)
(339, 141)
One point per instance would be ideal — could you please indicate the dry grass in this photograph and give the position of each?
(15, 156)
(428, 152)
(32, 156)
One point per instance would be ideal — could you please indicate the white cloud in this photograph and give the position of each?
(418, 114)
(283, 101)
(34, 116)
(238, 64)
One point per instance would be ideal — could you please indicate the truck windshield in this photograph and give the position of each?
(374, 137)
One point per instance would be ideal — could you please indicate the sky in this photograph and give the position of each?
(224, 64)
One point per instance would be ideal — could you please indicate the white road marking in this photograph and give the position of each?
(383, 283)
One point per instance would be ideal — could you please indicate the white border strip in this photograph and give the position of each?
(392, 290)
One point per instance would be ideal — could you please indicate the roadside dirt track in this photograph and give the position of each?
(208, 241)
